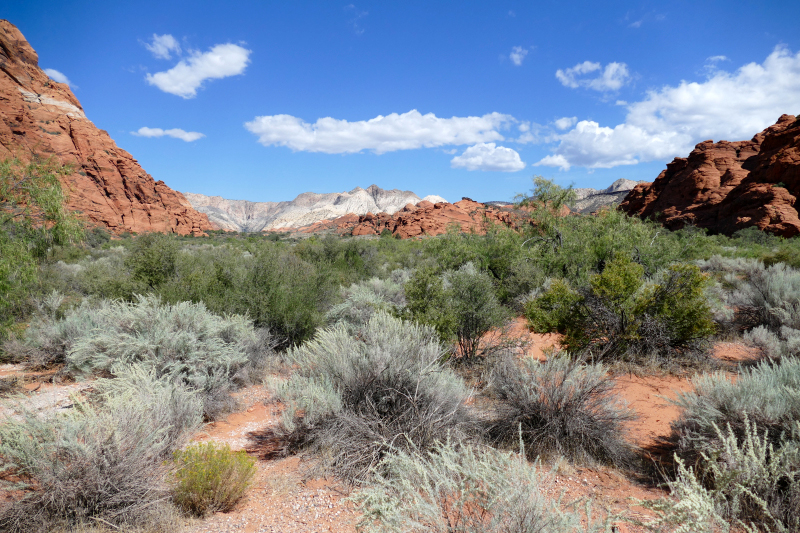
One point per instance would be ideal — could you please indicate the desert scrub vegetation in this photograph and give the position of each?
(461, 304)
(620, 315)
(559, 408)
(740, 442)
(104, 460)
(452, 488)
(362, 300)
(183, 342)
(355, 399)
(210, 477)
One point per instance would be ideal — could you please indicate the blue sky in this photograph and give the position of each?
(266, 100)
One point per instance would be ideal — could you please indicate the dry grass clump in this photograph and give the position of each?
(560, 407)
(102, 462)
(211, 478)
(353, 400)
(459, 488)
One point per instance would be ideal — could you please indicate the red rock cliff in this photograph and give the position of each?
(43, 117)
(727, 186)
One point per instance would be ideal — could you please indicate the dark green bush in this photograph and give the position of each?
(621, 315)
(211, 478)
(151, 258)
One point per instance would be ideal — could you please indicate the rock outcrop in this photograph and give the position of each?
(426, 218)
(727, 186)
(41, 118)
(592, 200)
(307, 209)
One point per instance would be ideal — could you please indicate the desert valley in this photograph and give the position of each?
(623, 358)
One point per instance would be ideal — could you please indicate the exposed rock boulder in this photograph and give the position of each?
(727, 186)
(307, 209)
(41, 117)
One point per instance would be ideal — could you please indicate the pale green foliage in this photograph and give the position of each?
(747, 482)
(461, 489)
(768, 394)
(364, 299)
(773, 292)
(103, 460)
(211, 477)
(184, 342)
(560, 408)
(354, 399)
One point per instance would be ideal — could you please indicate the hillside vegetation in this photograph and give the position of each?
(386, 355)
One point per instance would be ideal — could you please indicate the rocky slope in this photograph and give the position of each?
(424, 218)
(591, 200)
(727, 186)
(308, 208)
(41, 117)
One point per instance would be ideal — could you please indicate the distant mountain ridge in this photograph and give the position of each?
(308, 208)
(591, 200)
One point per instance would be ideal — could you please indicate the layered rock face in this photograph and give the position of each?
(591, 200)
(40, 117)
(727, 186)
(426, 218)
(307, 209)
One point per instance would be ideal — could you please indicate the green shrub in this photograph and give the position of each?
(102, 461)
(451, 488)
(151, 258)
(559, 407)
(621, 315)
(461, 304)
(355, 399)
(211, 478)
(551, 310)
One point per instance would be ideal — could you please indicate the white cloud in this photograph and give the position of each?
(565, 122)
(488, 156)
(162, 46)
(57, 76)
(381, 134)
(671, 120)
(187, 76)
(636, 24)
(517, 55)
(611, 78)
(716, 59)
(178, 133)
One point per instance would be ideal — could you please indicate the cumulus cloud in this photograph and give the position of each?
(381, 134)
(188, 75)
(57, 76)
(671, 120)
(178, 133)
(610, 78)
(488, 156)
(517, 55)
(565, 122)
(716, 59)
(163, 46)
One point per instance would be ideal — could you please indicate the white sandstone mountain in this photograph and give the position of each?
(307, 208)
(590, 200)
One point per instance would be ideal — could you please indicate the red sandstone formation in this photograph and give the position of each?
(422, 219)
(727, 186)
(39, 116)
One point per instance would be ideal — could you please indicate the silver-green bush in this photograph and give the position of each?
(185, 342)
(355, 399)
(459, 488)
(560, 408)
(362, 300)
(102, 461)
